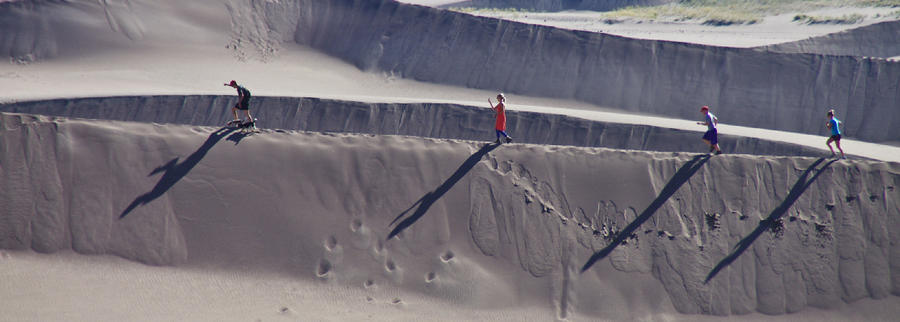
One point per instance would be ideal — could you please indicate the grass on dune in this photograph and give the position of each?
(725, 12)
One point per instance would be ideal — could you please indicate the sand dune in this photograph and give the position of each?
(475, 224)
(383, 202)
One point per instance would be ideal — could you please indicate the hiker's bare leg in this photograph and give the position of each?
(828, 142)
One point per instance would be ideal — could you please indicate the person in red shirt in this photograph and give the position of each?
(500, 124)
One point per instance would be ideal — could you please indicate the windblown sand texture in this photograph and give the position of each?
(372, 191)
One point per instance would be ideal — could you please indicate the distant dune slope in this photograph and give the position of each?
(752, 87)
(482, 225)
(416, 119)
(37, 29)
(877, 40)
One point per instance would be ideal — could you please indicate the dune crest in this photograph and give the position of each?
(436, 120)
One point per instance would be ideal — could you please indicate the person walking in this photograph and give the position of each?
(711, 137)
(500, 124)
(835, 125)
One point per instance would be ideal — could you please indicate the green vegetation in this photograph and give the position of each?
(845, 19)
(512, 13)
(721, 12)
(717, 15)
(726, 12)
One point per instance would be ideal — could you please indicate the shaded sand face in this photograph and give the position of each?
(145, 208)
(480, 227)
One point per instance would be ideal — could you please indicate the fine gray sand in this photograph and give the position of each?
(371, 192)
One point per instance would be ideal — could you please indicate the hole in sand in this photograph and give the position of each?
(446, 257)
(355, 225)
(379, 246)
(369, 283)
(390, 266)
(430, 277)
(331, 243)
(324, 268)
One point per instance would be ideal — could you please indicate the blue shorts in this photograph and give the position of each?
(712, 136)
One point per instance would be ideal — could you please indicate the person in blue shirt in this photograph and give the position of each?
(835, 125)
(711, 137)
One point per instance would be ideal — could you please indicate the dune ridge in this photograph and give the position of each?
(436, 120)
(476, 222)
(876, 40)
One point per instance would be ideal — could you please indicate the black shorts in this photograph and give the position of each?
(836, 137)
(243, 105)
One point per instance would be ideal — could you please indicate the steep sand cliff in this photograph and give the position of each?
(473, 224)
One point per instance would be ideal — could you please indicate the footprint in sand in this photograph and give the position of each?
(334, 252)
(331, 243)
(390, 266)
(369, 284)
(377, 251)
(430, 277)
(362, 235)
(394, 272)
(323, 269)
(447, 257)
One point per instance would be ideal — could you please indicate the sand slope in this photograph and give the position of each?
(478, 226)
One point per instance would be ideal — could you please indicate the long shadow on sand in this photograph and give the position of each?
(429, 198)
(175, 171)
(681, 176)
(795, 193)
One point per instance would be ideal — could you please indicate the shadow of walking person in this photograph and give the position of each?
(681, 176)
(174, 171)
(796, 191)
(429, 198)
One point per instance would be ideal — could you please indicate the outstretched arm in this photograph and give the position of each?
(491, 103)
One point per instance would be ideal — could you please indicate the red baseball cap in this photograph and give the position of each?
(233, 83)
(704, 108)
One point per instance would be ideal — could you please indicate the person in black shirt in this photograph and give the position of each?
(243, 103)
